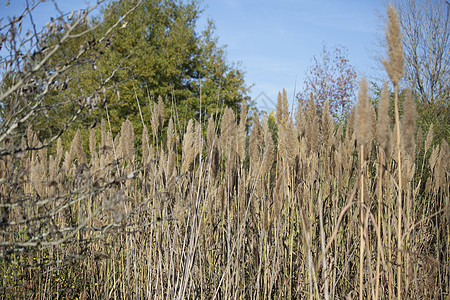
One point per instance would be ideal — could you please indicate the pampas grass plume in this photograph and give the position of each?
(255, 141)
(78, 148)
(363, 127)
(394, 66)
(279, 109)
(268, 146)
(300, 121)
(285, 106)
(188, 147)
(211, 133)
(145, 145)
(242, 131)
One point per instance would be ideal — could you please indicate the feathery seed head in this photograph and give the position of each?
(92, 142)
(78, 148)
(188, 148)
(394, 66)
(300, 121)
(170, 134)
(279, 110)
(145, 145)
(363, 127)
(242, 131)
(255, 141)
(268, 146)
(211, 132)
(285, 106)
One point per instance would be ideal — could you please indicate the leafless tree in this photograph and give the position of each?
(425, 28)
(36, 212)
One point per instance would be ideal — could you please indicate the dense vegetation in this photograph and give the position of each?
(152, 203)
(233, 216)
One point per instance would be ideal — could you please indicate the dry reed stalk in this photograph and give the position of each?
(285, 106)
(199, 142)
(171, 148)
(325, 272)
(211, 133)
(242, 132)
(292, 145)
(59, 152)
(384, 122)
(399, 196)
(381, 138)
(351, 123)
(255, 144)
(442, 165)
(363, 116)
(145, 147)
(188, 148)
(228, 141)
(212, 147)
(226, 129)
(363, 132)
(268, 149)
(78, 148)
(103, 136)
(408, 173)
(127, 141)
(279, 113)
(118, 149)
(394, 69)
(282, 149)
(312, 127)
(394, 66)
(92, 144)
(300, 121)
(409, 124)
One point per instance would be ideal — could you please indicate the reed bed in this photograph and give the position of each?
(308, 212)
(310, 209)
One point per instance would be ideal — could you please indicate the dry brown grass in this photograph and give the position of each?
(216, 224)
(222, 214)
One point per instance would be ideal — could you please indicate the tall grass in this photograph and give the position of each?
(313, 210)
(307, 219)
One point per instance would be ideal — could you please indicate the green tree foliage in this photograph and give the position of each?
(134, 52)
(427, 114)
(160, 53)
(426, 47)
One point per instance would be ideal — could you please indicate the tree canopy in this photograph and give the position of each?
(169, 59)
(331, 77)
(135, 52)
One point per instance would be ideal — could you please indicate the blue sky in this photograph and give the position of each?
(274, 41)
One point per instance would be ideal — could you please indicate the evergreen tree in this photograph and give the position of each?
(131, 57)
(162, 54)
